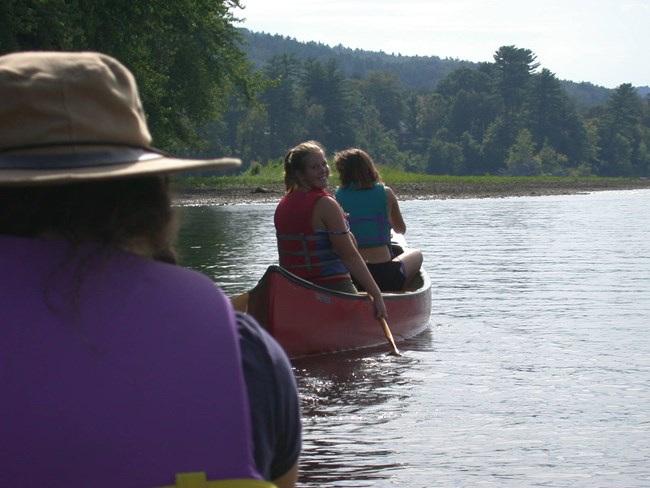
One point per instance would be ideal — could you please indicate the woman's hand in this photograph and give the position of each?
(380, 306)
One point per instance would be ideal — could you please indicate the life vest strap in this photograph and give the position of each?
(198, 480)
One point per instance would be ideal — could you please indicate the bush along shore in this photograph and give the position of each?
(222, 192)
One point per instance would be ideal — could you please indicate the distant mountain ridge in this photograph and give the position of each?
(413, 71)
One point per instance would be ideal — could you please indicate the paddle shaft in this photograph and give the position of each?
(387, 332)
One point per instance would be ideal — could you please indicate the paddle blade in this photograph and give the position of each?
(389, 336)
(240, 302)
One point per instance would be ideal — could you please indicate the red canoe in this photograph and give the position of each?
(307, 319)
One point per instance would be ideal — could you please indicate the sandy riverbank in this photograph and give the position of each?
(228, 195)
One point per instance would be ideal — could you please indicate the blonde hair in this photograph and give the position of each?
(295, 161)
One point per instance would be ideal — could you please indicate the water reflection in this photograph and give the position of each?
(535, 370)
(231, 244)
(350, 402)
(346, 398)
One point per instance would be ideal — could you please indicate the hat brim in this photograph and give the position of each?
(44, 169)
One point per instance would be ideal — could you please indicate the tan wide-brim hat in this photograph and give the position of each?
(77, 116)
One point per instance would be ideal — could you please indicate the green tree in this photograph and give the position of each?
(314, 123)
(410, 139)
(324, 86)
(280, 99)
(552, 162)
(620, 133)
(495, 146)
(545, 109)
(470, 104)
(513, 68)
(521, 159)
(445, 158)
(375, 138)
(253, 138)
(384, 91)
(185, 54)
(472, 154)
(39, 25)
(431, 110)
(553, 120)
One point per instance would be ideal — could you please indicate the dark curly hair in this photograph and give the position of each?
(119, 213)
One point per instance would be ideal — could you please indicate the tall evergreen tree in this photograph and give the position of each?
(280, 98)
(470, 107)
(513, 67)
(621, 133)
(385, 93)
(545, 109)
(324, 86)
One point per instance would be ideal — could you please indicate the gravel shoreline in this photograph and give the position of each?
(233, 194)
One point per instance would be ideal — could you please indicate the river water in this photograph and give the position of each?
(535, 370)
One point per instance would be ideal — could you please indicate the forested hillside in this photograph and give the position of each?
(441, 116)
(210, 88)
(412, 71)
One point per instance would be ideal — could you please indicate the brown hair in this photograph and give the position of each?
(356, 168)
(296, 159)
(119, 213)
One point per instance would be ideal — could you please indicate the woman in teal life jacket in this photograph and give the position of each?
(314, 240)
(373, 211)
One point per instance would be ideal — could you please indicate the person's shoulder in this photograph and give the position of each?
(389, 191)
(171, 279)
(262, 353)
(327, 205)
(326, 198)
(174, 270)
(253, 335)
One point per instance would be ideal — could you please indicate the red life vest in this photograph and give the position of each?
(302, 251)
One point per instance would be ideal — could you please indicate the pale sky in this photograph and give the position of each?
(605, 42)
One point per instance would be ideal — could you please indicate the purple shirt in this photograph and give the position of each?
(115, 370)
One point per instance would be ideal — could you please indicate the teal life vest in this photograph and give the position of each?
(367, 211)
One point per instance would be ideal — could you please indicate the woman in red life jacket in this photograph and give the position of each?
(314, 239)
(373, 211)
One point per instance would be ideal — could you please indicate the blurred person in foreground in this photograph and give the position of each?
(119, 368)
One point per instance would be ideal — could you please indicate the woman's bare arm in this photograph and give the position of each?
(329, 216)
(394, 213)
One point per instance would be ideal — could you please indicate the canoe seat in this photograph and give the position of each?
(198, 480)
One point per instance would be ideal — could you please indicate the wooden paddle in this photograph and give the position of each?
(387, 331)
(240, 302)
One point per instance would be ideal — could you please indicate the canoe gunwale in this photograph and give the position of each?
(309, 320)
(274, 268)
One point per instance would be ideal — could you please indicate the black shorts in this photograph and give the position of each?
(388, 275)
